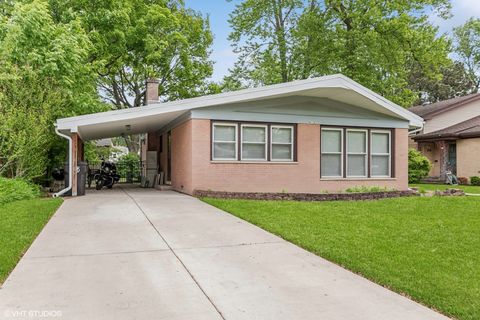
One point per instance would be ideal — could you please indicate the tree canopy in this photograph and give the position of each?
(467, 47)
(375, 43)
(44, 75)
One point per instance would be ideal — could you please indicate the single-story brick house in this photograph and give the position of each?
(450, 138)
(307, 136)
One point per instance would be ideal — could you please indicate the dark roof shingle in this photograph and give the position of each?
(425, 111)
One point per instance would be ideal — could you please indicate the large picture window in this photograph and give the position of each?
(380, 154)
(332, 153)
(224, 141)
(236, 141)
(281, 143)
(357, 153)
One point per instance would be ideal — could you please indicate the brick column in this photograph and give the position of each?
(73, 169)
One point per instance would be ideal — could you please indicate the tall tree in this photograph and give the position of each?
(467, 48)
(455, 81)
(262, 34)
(134, 40)
(44, 75)
(374, 42)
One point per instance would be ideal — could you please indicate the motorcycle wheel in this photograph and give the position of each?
(99, 184)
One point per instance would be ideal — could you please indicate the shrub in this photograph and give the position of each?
(475, 181)
(418, 166)
(128, 166)
(365, 189)
(462, 180)
(17, 189)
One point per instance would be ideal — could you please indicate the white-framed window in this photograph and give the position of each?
(357, 152)
(281, 142)
(254, 142)
(331, 152)
(381, 153)
(224, 141)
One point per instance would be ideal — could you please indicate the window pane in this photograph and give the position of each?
(380, 165)
(253, 134)
(356, 165)
(331, 141)
(224, 150)
(331, 165)
(224, 133)
(282, 135)
(281, 152)
(356, 141)
(253, 151)
(380, 142)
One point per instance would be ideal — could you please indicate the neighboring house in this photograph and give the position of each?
(116, 152)
(450, 138)
(307, 136)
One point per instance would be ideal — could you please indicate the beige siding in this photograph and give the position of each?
(468, 157)
(452, 117)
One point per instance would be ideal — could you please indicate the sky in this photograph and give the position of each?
(224, 57)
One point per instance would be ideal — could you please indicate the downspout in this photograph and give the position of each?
(70, 162)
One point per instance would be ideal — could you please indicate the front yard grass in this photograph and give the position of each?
(433, 187)
(427, 248)
(20, 223)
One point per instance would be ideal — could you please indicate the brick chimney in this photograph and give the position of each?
(152, 91)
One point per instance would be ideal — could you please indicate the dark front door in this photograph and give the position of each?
(452, 158)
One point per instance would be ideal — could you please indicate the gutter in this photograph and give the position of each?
(70, 162)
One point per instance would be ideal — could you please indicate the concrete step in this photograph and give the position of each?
(164, 187)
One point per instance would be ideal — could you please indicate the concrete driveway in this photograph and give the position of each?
(146, 254)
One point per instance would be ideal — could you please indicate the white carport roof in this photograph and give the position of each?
(157, 115)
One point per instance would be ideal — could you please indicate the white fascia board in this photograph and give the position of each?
(332, 81)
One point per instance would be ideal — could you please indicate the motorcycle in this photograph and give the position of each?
(107, 176)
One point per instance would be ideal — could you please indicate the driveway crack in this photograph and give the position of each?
(174, 253)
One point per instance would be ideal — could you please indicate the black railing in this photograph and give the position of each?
(129, 171)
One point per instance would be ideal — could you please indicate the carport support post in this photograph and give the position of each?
(73, 169)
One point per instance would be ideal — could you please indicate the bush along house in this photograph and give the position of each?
(307, 136)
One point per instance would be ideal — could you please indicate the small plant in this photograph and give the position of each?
(418, 166)
(17, 189)
(475, 181)
(365, 189)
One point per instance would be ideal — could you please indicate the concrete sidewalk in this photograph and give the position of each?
(145, 254)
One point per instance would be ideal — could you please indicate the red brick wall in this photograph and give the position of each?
(181, 157)
(192, 167)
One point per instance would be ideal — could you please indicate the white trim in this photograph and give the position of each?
(254, 162)
(224, 124)
(365, 154)
(381, 154)
(243, 125)
(335, 153)
(179, 107)
(292, 138)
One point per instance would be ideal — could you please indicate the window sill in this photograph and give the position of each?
(359, 179)
(252, 162)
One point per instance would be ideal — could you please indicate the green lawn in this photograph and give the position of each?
(20, 223)
(433, 187)
(427, 248)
